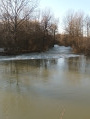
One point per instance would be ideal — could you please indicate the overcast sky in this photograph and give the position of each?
(60, 7)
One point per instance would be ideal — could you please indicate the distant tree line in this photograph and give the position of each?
(24, 29)
(76, 32)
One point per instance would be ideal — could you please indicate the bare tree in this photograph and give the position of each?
(73, 24)
(54, 29)
(46, 24)
(74, 27)
(46, 20)
(87, 26)
(13, 13)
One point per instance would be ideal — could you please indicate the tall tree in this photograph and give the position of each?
(13, 13)
(74, 26)
(87, 26)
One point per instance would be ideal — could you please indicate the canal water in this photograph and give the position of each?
(50, 85)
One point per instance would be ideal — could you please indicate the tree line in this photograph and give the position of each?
(24, 28)
(76, 32)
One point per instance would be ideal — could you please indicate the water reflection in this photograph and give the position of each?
(12, 70)
(79, 64)
(28, 87)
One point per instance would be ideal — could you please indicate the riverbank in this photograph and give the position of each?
(32, 49)
(80, 45)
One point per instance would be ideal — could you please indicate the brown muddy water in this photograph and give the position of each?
(54, 85)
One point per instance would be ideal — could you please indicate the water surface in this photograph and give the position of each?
(50, 85)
